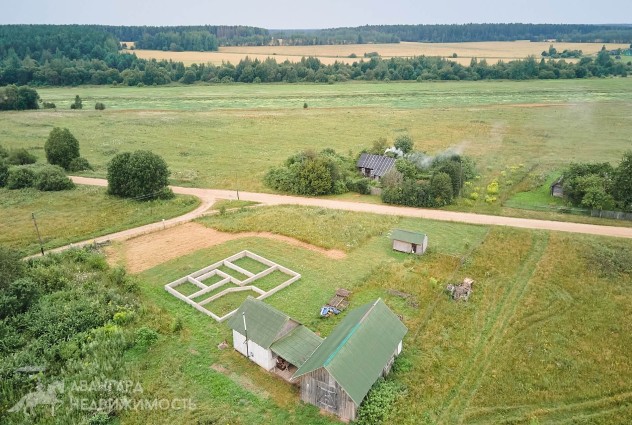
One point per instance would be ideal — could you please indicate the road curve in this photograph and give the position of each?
(208, 196)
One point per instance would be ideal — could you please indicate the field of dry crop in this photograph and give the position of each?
(492, 51)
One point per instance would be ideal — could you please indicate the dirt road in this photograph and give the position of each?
(208, 197)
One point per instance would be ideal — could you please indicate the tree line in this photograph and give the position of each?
(45, 55)
(600, 186)
(456, 33)
(129, 70)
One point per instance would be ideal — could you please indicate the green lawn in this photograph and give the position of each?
(543, 321)
(75, 215)
(537, 194)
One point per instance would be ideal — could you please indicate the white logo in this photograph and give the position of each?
(38, 397)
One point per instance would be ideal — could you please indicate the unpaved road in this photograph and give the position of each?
(209, 196)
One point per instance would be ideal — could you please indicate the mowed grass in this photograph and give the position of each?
(76, 215)
(543, 339)
(492, 51)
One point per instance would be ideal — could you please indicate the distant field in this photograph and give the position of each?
(228, 136)
(492, 51)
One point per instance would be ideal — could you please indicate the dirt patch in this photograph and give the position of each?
(147, 251)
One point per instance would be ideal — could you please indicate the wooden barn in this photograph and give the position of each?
(557, 188)
(374, 166)
(270, 338)
(410, 242)
(342, 370)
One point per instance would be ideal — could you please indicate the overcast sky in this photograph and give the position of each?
(273, 14)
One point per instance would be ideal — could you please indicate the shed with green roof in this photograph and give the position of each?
(344, 367)
(408, 241)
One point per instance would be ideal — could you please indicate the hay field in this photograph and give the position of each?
(492, 51)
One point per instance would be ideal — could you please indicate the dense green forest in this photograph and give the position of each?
(44, 55)
(458, 33)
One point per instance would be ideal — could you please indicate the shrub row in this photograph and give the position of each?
(47, 178)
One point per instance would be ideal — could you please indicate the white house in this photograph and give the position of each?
(266, 336)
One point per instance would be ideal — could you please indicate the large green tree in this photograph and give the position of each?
(139, 175)
(61, 147)
(622, 182)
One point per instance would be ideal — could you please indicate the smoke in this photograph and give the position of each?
(425, 161)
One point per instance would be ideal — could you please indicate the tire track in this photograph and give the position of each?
(491, 335)
(558, 413)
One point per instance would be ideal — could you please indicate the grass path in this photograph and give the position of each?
(492, 335)
(566, 413)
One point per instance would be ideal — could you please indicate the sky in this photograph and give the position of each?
(284, 14)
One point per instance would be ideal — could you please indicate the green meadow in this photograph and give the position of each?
(76, 215)
(228, 136)
(543, 339)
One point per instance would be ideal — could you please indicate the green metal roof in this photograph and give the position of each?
(408, 236)
(358, 348)
(297, 346)
(263, 321)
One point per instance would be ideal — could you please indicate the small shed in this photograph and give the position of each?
(410, 242)
(557, 189)
(268, 337)
(374, 166)
(342, 370)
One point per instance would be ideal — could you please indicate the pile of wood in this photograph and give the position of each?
(340, 300)
(337, 303)
(461, 291)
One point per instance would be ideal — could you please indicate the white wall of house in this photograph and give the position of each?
(257, 354)
(399, 348)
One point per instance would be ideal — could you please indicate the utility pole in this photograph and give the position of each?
(38, 233)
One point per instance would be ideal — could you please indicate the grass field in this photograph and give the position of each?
(228, 136)
(75, 215)
(543, 339)
(492, 51)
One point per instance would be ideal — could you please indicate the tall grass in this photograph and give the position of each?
(75, 215)
(533, 334)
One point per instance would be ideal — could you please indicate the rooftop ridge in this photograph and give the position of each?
(350, 334)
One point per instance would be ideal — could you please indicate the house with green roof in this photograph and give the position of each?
(409, 242)
(340, 372)
(268, 336)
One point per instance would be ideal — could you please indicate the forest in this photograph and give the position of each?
(459, 33)
(46, 55)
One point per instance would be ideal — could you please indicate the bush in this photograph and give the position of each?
(77, 104)
(21, 157)
(79, 164)
(20, 178)
(11, 266)
(4, 173)
(146, 336)
(361, 185)
(99, 106)
(52, 178)
(61, 147)
(441, 189)
(141, 175)
(378, 404)
(3, 152)
(404, 143)
(49, 105)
